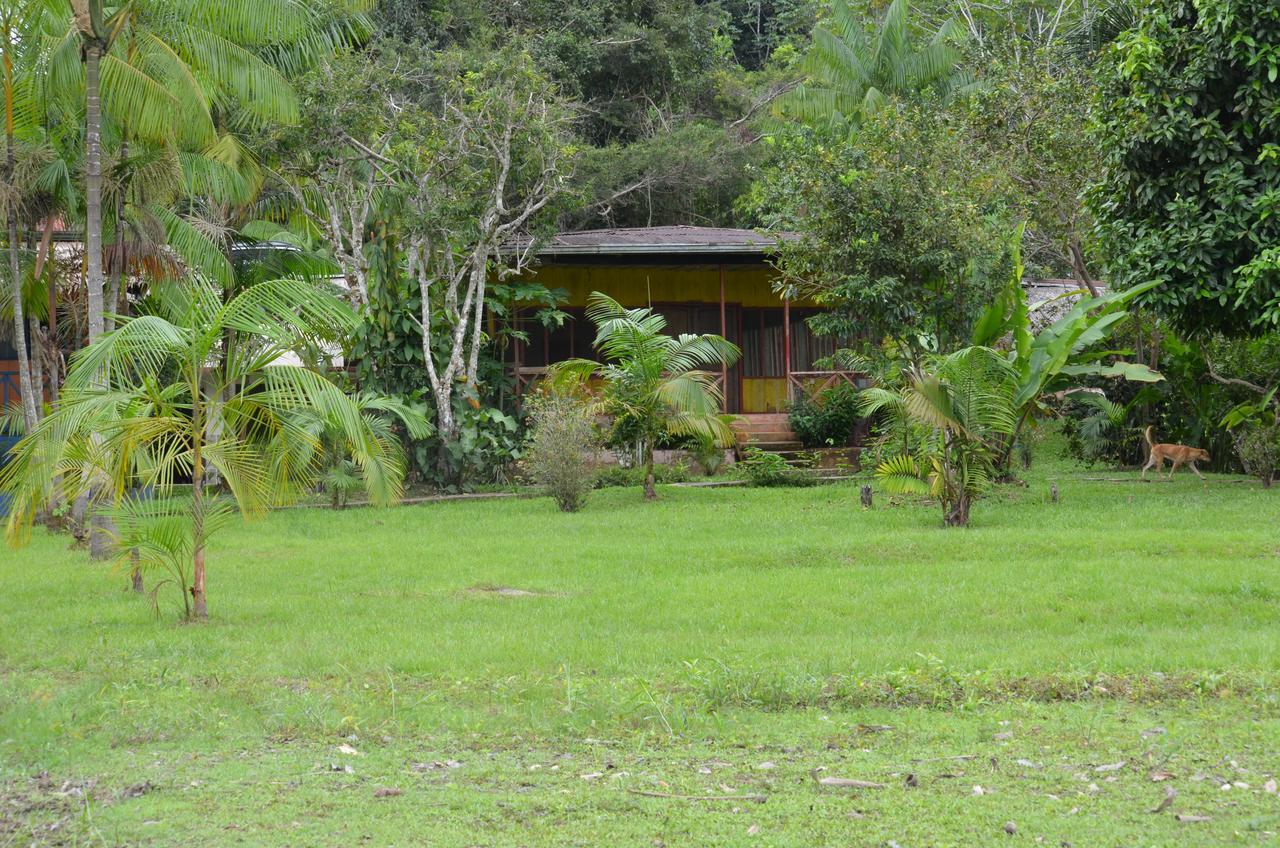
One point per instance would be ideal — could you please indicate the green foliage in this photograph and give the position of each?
(692, 173)
(653, 383)
(561, 445)
(1189, 406)
(1259, 451)
(709, 451)
(851, 74)
(827, 420)
(1099, 428)
(612, 476)
(484, 448)
(1191, 176)
(901, 228)
(192, 389)
(763, 468)
(962, 407)
(759, 27)
(1031, 115)
(153, 534)
(1255, 430)
(1054, 359)
(391, 419)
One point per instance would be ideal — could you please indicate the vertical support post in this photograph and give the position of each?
(724, 366)
(517, 358)
(786, 343)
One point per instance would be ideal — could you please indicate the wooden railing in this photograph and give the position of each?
(813, 383)
(527, 376)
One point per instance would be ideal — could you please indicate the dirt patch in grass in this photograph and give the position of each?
(41, 811)
(491, 590)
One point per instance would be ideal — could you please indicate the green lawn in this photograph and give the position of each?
(680, 648)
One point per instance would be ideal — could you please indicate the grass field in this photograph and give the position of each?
(718, 645)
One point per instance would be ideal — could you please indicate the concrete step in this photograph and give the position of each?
(763, 422)
(769, 436)
(780, 446)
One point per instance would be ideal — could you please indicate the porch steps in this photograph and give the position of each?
(769, 431)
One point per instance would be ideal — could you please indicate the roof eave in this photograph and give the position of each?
(658, 249)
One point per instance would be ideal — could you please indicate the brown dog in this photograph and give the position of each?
(1177, 454)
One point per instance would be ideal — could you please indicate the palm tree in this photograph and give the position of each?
(191, 386)
(962, 408)
(180, 71)
(653, 383)
(18, 50)
(850, 73)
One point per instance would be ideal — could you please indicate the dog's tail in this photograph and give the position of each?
(1147, 432)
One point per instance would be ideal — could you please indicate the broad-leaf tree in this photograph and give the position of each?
(900, 229)
(191, 386)
(440, 174)
(657, 384)
(1190, 185)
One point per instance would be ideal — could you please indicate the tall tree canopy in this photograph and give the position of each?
(1190, 136)
(901, 229)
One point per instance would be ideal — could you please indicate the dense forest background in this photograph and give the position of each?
(673, 97)
(924, 154)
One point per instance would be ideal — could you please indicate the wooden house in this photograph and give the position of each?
(703, 280)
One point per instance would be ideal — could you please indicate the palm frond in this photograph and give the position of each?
(901, 474)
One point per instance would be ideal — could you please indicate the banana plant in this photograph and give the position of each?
(1055, 358)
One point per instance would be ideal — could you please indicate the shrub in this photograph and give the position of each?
(562, 438)
(708, 453)
(770, 469)
(1259, 451)
(708, 449)
(828, 420)
(617, 475)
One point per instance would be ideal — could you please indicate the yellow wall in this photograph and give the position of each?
(764, 394)
(747, 285)
(744, 285)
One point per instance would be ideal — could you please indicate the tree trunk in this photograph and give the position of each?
(101, 535)
(37, 364)
(25, 384)
(118, 280)
(199, 606)
(956, 514)
(1079, 267)
(136, 572)
(79, 518)
(446, 432)
(93, 189)
(650, 493)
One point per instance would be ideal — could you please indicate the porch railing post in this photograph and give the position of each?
(724, 365)
(786, 344)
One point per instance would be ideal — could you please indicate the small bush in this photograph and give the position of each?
(828, 420)
(616, 475)
(562, 439)
(769, 469)
(1259, 450)
(708, 453)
